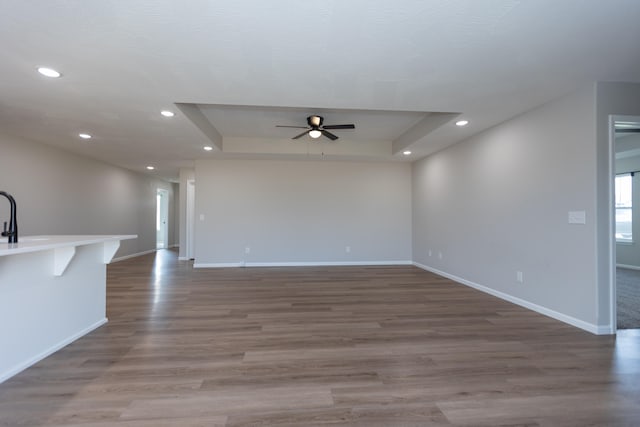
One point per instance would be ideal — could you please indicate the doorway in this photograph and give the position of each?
(162, 219)
(625, 293)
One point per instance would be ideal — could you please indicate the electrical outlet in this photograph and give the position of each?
(519, 277)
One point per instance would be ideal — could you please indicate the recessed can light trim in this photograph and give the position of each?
(406, 152)
(167, 113)
(207, 148)
(150, 168)
(462, 123)
(84, 136)
(49, 72)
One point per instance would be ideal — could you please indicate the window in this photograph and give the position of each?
(624, 207)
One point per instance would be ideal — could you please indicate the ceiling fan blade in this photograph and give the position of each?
(297, 127)
(339, 127)
(301, 135)
(329, 135)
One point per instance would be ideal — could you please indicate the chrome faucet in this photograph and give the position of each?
(12, 232)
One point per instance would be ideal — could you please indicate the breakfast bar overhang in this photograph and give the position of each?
(52, 292)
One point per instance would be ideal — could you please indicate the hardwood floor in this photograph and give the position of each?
(356, 346)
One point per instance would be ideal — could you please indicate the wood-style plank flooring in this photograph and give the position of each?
(349, 346)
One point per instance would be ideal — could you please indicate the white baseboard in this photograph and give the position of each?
(298, 264)
(589, 327)
(24, 365)
(604, 330)
(628, 267)
(122, 258)
(217, 265)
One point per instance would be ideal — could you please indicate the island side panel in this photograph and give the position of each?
(41, 313)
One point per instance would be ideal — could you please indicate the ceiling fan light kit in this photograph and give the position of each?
(314, 133)
(315, 128)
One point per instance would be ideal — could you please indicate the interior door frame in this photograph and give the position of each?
(613, 296)
(190, 217)
(163, 215)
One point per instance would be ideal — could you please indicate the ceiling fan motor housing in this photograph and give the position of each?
(314, 121)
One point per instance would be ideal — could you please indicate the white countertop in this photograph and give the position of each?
(29, 244)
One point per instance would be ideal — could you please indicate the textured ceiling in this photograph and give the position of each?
(124, 61)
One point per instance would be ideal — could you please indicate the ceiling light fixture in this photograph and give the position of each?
(208, 148)
(150, 168)
(406, 153)
(49, 72)
(462, 122)
(84, 135)
(167, 113)
(315, 133)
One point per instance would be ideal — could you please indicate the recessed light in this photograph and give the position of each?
(84, 135)
(406, 153)
(150, 168)
(208, 148)
(167, 113)
(49, 72)
(462, 122)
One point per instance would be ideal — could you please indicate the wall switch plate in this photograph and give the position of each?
(519, 277)
(201, 217)
(577, 217)
(439, 255)
(247, 250)
(430, 252)
(347, 249)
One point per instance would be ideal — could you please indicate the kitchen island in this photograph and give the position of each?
(52, 292)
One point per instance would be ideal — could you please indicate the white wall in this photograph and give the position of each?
(62, 193)
(302, 212)
(498, 203)
(185, 176)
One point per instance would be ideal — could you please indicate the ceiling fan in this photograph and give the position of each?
(315, 128)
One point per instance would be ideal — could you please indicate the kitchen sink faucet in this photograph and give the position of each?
(12, 232)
